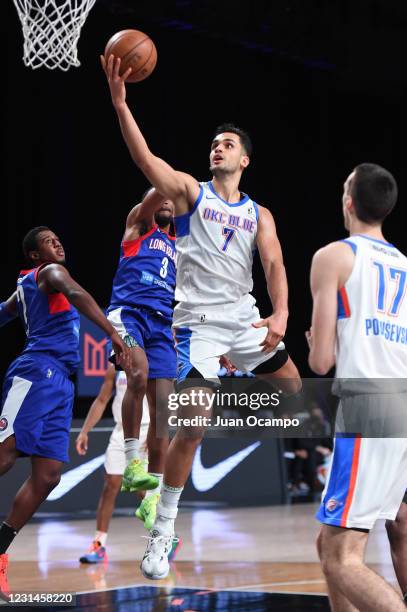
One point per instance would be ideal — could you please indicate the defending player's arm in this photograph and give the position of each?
(271, 256)
(96, 410)
(55, 277)
(143, 212)
(182, 188)
(325, 282)
(8, 310)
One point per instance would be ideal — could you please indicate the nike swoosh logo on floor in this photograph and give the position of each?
(204, 478)
(71, 478)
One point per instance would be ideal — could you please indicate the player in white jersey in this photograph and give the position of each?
(217, 229)
(115, 461)
(359, 324)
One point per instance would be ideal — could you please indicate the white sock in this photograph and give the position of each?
(100, 536)
(168, 501)
(170, 496)
(131, 449)
(157, 489)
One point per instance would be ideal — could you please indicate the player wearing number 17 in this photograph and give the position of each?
(359, 324)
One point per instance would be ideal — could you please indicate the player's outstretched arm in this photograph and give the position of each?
(144, 211)
(55, 277)
(182, 188)
(330, 269)
(8, 310)
(271, 256)
(96, 410)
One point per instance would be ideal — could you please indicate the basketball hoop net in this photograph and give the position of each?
(51, 30)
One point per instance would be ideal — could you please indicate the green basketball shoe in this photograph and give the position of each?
(147, 510)
(135, 477)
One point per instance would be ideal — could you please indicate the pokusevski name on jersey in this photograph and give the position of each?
(215, 245)
(146, 273)
(390, 331)
(372, 313)
(50, 321)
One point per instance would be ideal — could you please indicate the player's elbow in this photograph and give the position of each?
(74, 295)
(321, 364)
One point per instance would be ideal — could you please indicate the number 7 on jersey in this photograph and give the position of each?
(229, 233)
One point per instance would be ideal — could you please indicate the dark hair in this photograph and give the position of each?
(244, 136)
(374, 192)
(30, 240)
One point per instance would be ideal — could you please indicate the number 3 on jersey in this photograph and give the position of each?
(164, 267)
(398, 278)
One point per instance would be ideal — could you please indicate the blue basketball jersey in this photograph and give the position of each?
(146, 273)
(51, 322)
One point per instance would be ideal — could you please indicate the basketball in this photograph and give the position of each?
(136, 50)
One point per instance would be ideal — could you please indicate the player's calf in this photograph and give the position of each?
(157, 450)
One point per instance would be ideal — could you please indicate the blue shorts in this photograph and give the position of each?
(152, 333)
(37, 407)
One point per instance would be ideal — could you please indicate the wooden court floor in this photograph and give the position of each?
(262, 549)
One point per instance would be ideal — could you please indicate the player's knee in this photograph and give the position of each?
(331, 561)
(50, 480)
(112, 484)
(6, 462)
(137, 380)
(8, 454)
(337, 559)
(397, 529)
(330, 556)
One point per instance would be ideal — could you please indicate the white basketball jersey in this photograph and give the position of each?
(121, 386)
(215, 245)
(372, 313)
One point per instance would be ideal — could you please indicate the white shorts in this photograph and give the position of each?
(203, 334)
(115, 460)
(366, 482)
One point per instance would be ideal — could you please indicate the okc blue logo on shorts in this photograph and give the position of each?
(3, 423)
(332, 503)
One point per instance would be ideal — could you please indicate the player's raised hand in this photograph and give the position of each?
(82, 443)
(116, 82)
(121, 350)
(276, 326)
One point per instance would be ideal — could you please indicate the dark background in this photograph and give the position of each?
(320, 86)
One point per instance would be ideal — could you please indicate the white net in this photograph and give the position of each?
(51, 30)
